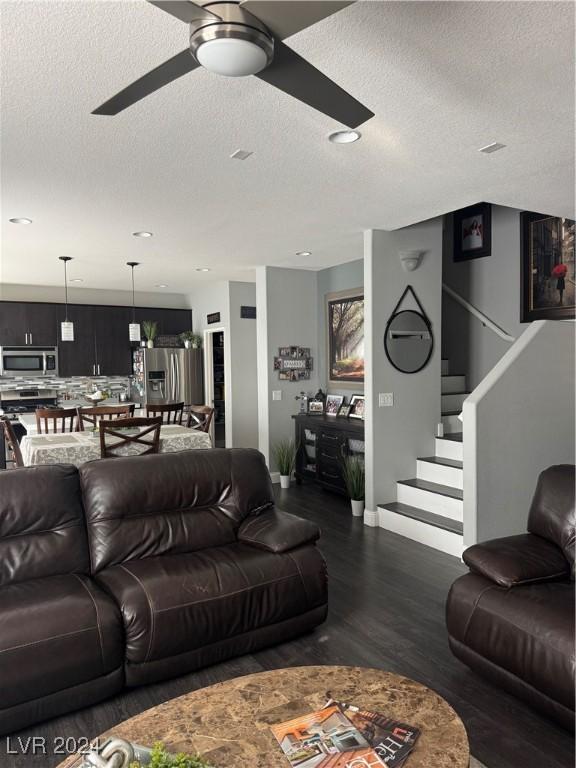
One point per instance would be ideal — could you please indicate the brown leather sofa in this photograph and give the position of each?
(136, 569)
(512, 617)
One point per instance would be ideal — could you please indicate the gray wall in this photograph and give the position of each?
(396, 436)
(492, 285)
(518, 421)
(287, 313)
(343, 277)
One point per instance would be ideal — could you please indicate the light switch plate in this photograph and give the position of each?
(276, 394)
(385, 399)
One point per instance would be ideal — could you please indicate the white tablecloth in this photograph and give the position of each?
(78, 447)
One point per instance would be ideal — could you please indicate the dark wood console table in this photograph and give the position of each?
(322, 441)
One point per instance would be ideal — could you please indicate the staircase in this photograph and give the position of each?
(429, 507)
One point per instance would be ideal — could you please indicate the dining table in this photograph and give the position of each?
(79, 447)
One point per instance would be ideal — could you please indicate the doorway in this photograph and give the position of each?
(215, 383)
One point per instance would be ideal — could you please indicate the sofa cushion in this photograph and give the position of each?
(515, 560)
(142, 507)
(42, 529)
(173, 604)
(57, 632)
(278, 531)
(528, 631)
(553, 510)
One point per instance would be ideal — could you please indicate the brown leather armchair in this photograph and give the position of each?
(512, 617)
(186, 563)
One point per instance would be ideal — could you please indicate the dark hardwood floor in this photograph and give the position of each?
(386, 610)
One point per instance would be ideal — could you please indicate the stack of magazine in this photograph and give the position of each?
(343, 736)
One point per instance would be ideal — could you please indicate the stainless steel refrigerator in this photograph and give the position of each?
(168, 375)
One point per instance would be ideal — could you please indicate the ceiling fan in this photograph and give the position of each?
(240, 39)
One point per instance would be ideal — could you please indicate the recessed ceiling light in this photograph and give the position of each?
(202, 269)
(241, 154)
(76, 280)
(304, 253)
(161, 285)
(489, 148)
(344, 137)
(21, 221)
(142, 234)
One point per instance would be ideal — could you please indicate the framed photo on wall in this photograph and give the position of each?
(345, 342)
(547, 268)
(473, 232)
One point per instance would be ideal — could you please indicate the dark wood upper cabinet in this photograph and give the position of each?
(112, 343)
(170, 321)
(28, 324)
(77, 358)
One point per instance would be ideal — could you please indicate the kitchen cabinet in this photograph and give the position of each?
(76, 358)
(170, 321)
(28, 324)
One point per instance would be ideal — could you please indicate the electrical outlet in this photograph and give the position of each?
(276, 394)
(385, 399)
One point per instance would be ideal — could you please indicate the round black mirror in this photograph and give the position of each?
(408, 341)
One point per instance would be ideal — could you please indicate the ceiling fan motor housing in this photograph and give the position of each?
(236, 46)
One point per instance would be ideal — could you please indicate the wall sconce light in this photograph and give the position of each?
(410, 260)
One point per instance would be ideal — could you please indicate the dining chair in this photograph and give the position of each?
(93, 416)
(56, 420)
(145, 434)
(200, 417)
(171, 413)
(11, 442)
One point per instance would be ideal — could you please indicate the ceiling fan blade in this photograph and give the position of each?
(170, 70)
(294, 75)
(286, 17)
(185, 10)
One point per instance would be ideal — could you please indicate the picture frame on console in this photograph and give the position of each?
(357, 404)
(333, 403)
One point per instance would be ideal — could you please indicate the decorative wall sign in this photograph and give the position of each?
(293, 363)
(213, 318)
(345, 324)
(473, 232)
(548, 268)
(408, 339)
(168, 340)
(248, 313)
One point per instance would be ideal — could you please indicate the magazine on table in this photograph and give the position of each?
(343, 736)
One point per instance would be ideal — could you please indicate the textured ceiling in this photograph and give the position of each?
(443, 79)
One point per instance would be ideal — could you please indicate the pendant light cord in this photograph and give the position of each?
(65, 259)
(133, 264)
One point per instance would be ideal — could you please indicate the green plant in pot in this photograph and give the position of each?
(191, 340)
(354, 477)
(150, 328)
(284, 452)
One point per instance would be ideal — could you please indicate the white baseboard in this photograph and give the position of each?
(371, 518)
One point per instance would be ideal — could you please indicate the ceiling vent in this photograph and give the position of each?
(241, 154)
(489, 148)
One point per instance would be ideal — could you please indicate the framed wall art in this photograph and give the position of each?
(345, 342)
(473, 232)
(547, 268)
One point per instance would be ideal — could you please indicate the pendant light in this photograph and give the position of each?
(66, 327)
(133, 327)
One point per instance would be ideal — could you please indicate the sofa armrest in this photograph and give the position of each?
(516, 560)
(277, 531)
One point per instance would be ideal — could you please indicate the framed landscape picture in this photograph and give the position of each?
(473, 232)
(345, 324)
(548, 274)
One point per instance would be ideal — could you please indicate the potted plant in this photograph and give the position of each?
(150, 330)
(353, 471)
(191, 339)
(284, 453)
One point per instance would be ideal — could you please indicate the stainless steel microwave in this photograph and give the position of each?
(28, 361)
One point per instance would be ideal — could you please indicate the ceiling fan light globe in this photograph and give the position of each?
(232, 57)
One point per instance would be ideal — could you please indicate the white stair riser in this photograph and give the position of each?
(432, 502)
(440, 473)
(451, 423)
(453, 384)
(445, 364)
(445, 541)
(449, 449)
(453, 402)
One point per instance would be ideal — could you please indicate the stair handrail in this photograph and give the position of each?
(477, 313)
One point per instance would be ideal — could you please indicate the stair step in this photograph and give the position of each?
(417, 530)
(454, 436)
(438, 521)
(426, 485)
(447, 448)
(453, 401)
(451, 422)
(440, 470)
(445, 367)
(453, 383)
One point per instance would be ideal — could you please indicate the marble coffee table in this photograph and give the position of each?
(229, 723)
